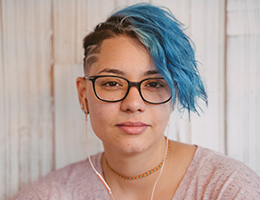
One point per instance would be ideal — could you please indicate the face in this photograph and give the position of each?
(131, 125)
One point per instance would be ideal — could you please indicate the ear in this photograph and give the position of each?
(82, 93)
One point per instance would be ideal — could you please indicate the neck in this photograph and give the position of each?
(134, 164)
(145, 174)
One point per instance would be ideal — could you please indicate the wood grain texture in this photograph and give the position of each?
(123, 3)
(28, 132)
(3, 135)
(243, 81)
(208, 34)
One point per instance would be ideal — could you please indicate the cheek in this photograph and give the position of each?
(161, 115)
(98, 120)
(101, 115)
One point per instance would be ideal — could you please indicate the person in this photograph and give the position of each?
(139, 67)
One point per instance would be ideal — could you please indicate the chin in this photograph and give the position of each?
(131, 146)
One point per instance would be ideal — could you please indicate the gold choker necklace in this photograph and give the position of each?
(144, 174)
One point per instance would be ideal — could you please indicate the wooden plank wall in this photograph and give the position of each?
(243, 81)
(41, 124)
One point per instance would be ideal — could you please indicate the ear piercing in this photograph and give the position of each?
(84, 110)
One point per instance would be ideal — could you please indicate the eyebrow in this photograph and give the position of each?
(113, 71)
(119, 72)
(151, 72)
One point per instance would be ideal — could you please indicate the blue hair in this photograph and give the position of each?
(168, 45)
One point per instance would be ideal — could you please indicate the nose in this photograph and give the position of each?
(133, 101)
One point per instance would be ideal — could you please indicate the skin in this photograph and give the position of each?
(127, 153)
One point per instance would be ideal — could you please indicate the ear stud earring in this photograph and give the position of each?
(84, 110)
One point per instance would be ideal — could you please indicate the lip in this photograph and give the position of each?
(132, 128)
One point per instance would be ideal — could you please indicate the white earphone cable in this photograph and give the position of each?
(98, 174)
(155, 184)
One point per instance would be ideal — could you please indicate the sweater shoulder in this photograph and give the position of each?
(74, 179)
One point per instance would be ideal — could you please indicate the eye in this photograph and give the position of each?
(155, 84)
(111, 84)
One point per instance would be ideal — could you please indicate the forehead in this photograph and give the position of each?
(125, 54)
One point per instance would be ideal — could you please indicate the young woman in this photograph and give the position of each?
(139, 66)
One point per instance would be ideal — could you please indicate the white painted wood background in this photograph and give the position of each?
(41, 124)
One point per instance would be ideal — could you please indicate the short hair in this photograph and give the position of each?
(164, 38)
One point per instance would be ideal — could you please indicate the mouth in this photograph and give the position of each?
(132, 128)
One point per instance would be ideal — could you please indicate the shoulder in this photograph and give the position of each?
(207, 160)
(213, 175)
(67, 183)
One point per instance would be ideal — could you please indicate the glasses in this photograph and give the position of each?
(111, 88)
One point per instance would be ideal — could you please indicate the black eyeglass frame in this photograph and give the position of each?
(130, 84)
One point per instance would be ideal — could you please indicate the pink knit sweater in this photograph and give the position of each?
(209, 176)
